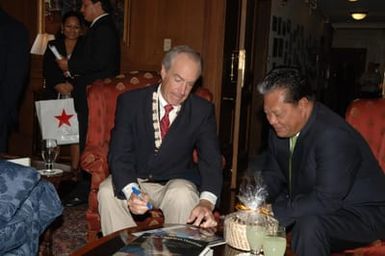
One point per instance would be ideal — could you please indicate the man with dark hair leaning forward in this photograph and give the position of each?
(324, 183)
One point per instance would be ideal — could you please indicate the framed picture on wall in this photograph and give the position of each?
(280, 47)
(288, 26)
(275, 47)
(274, 24)
(283, 28)
(119, 16)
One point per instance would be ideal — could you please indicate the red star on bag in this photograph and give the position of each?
(64, 118)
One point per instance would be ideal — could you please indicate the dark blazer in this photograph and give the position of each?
(14, 64)
(100, 53)
(52, 73)
(99, 59)
(132, 149)
(333, 169)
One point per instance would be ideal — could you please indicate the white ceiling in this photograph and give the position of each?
(337, 12)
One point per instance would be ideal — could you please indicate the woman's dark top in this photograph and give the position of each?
(53, 75)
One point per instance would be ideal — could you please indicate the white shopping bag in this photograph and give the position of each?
(58, 120)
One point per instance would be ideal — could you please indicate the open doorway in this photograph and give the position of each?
(346, 67)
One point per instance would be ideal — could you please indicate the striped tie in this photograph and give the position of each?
(165, 121)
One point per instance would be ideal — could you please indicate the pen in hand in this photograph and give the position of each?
(138, 193)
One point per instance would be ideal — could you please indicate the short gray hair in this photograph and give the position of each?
(170, 56)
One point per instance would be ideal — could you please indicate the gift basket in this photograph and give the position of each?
(252, 195)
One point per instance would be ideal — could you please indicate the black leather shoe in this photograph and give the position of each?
(75, 201)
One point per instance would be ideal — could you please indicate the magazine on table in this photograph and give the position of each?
(188, 231)
(163, 244)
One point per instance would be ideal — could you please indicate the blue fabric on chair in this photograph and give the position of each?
(16, 183)
(27, 205)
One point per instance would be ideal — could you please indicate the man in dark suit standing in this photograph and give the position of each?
(156, 130)
(100, 58)
(14, 62)
(323, 181)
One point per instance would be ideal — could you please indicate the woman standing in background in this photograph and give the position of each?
(68, 44)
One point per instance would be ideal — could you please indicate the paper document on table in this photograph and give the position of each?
(187, 231)
(166, 245)
(26, 161)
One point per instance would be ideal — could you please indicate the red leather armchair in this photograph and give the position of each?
(102, 96)
(367, 116)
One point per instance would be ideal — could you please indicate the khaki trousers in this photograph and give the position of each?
(176, 199)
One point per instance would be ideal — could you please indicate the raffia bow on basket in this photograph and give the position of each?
(235, 225)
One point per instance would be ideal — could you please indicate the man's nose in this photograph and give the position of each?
(272, 120)
(183, 88)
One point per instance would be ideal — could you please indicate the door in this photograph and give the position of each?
(241, 53)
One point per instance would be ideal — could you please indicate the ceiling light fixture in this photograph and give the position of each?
(358, 15)
(352, 0)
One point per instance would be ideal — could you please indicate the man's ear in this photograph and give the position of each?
(99, 7)
(303, 103)
(163, 72)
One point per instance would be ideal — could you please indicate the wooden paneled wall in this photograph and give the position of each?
(198, 23)
(25, 11)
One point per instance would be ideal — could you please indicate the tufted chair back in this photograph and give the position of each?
(102, 96)
(368, 117)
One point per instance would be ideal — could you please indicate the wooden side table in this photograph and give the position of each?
(45, 248)
(68, 173)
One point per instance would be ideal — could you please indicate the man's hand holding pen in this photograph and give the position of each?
(139, 202)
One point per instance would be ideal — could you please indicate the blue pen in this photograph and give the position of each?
(138, 193)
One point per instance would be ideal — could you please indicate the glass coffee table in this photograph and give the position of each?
(109, 245)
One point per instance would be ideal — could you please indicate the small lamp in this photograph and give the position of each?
(358, 15)
(41, 40)
(40, 44)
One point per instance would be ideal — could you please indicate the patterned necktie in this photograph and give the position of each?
(293, 141)
(165, 121)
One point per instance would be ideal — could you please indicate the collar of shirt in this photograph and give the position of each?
(162, 102)
(291, 141)
(98, 18)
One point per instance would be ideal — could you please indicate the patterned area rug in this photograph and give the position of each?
(71, 233)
